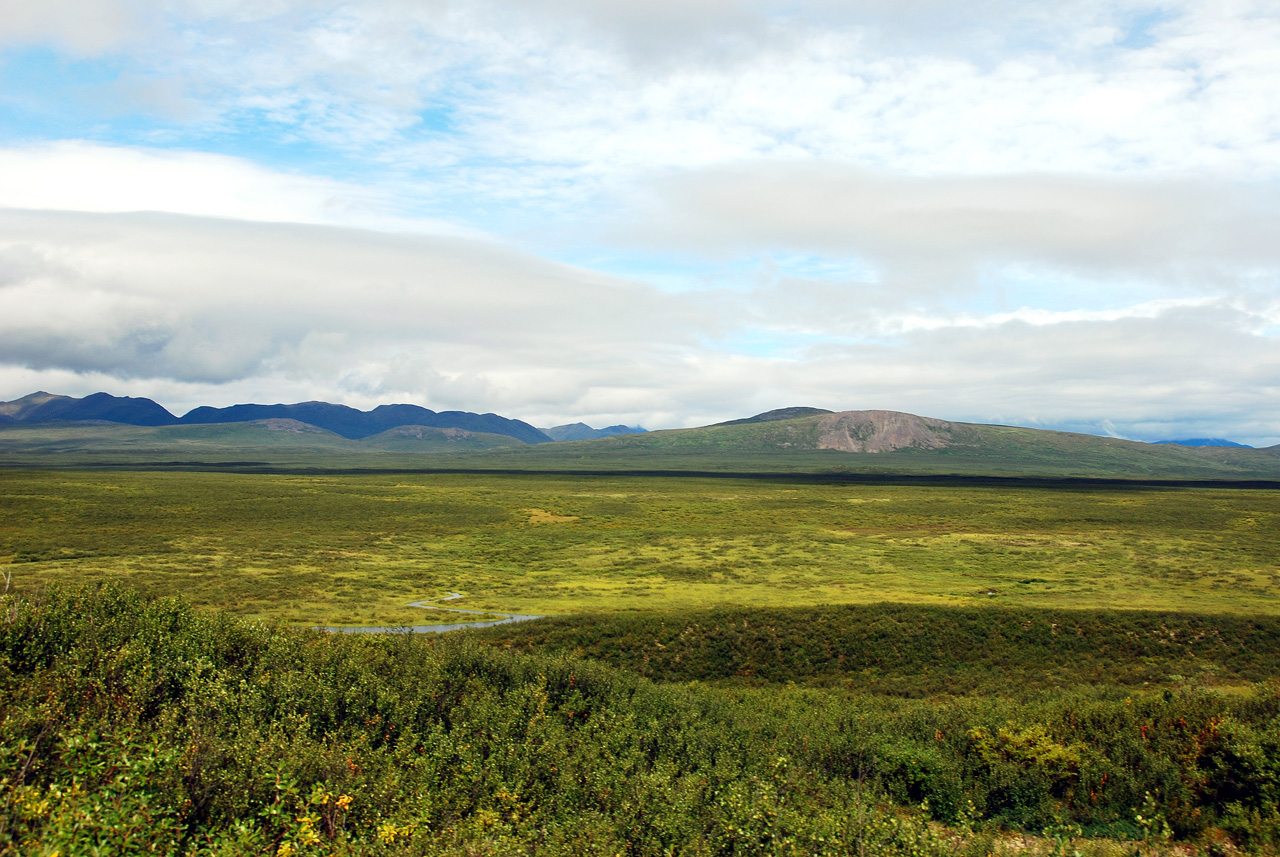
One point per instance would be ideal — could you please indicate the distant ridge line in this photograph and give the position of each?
(776, 415)
(582, 431)
(941, 479)
(343, 420)
(1204, 441)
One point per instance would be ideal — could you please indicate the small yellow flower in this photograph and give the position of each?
(344, 801)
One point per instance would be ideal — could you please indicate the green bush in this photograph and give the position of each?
(139, 726)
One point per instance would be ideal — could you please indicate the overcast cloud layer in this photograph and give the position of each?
(650, 212)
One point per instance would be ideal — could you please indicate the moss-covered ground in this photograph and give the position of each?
(355, 549)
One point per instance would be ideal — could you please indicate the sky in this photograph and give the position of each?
(650, 212)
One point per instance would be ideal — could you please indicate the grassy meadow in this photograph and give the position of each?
(355, 549)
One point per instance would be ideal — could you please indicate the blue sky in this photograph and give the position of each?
(650, 212)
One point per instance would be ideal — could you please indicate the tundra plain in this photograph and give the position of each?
(355, 549)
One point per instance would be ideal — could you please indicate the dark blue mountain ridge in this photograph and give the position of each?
(346, 421)
(582, 431)
(355, 424)
(1205, 441)
(42, 407)
(778, 414)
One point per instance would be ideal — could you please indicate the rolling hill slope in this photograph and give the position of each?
(847, 444)
(271, 443)
(893, 442)
(420, 439)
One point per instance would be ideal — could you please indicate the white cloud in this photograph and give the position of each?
(917, 88)
(86, 28)
(940, 233)
(214, 302)
(75, 175)
(193, 311)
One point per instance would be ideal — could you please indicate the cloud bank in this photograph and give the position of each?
(212, 310)
(655, 212)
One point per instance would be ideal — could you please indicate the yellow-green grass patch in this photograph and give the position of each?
(356, 549)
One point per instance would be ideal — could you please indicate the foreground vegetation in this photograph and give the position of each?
(918, 651)
(355, 549)
(140, 726)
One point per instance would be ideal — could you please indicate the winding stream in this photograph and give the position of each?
(430, 604)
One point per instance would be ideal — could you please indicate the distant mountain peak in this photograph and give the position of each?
(342, 420)
(1205, 441)
(582, 431)
(42, 407)
(18, 407)
(792, 413)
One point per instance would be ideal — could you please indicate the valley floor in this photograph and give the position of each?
(357, 549)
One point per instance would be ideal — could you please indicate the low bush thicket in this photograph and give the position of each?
(917, 650)
(139, 726)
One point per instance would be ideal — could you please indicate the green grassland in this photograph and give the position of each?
(355, 549)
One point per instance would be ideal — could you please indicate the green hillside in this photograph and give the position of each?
(271, 443)
(413, 439)
(849, 443)
(794, 445)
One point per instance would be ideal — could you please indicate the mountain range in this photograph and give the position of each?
(582, 431)
(353, 424)
(49, 430)
(345, 421)
(42, 407)
(1205, 441)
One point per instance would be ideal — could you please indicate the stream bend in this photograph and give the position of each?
(430, 604)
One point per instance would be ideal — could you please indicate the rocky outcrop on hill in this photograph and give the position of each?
(428, 433)
(291, 426)
(883, 431)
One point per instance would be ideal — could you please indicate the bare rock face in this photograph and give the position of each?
(293, 426)
(429, 433)
(882, 431)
